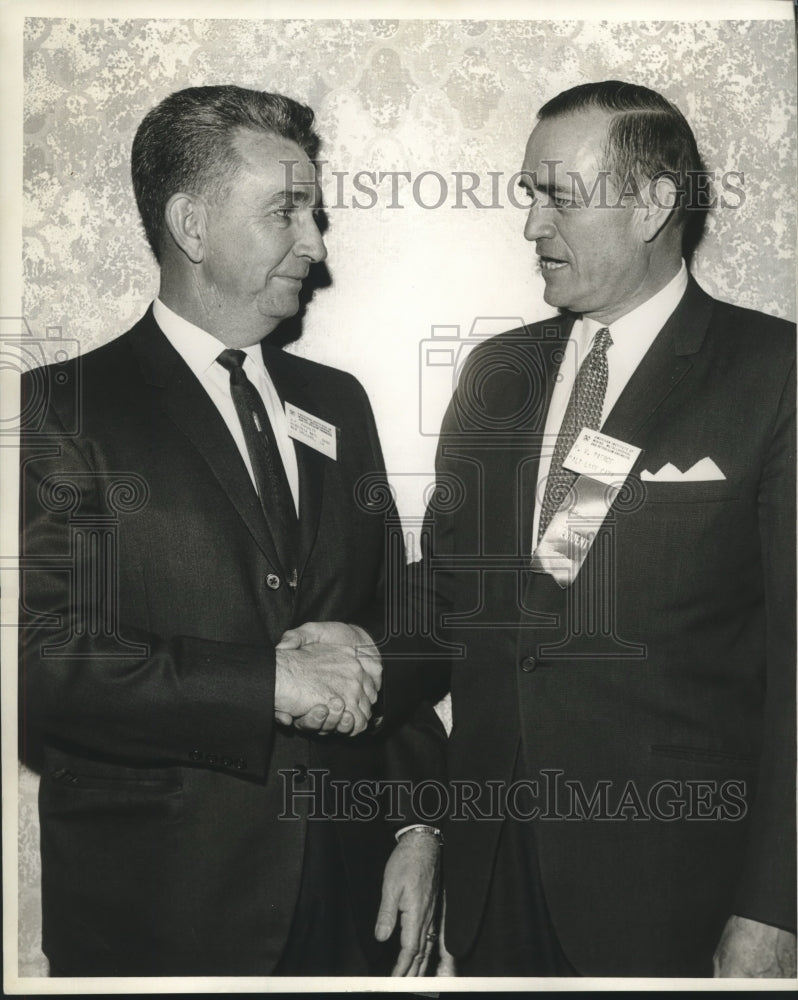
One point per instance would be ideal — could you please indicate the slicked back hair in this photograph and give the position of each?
(647, 135)
(186, 143)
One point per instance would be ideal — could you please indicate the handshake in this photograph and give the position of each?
(327, 678)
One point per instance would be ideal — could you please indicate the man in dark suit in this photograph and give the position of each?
(623, 685)
(204, 575)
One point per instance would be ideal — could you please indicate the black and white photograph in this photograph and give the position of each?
(398, 496)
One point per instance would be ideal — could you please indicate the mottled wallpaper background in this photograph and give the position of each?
(390, 95)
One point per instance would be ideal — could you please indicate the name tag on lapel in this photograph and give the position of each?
(601, 457)
(312, 431)
(601, 465)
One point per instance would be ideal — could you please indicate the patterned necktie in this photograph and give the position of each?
(583, 410)
(267, 465)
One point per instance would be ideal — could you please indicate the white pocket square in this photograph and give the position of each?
(702, 472)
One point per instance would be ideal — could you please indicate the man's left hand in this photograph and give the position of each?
(749, 949)
(410, 888)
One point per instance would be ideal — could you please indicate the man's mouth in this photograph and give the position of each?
(551, 263)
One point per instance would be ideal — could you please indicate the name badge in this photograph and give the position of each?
(601, 457)
(601, 465)
(312, 431)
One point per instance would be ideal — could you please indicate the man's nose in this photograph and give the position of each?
(537, 225)
(310, 243)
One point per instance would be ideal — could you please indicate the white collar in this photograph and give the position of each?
(649, 317)
(198, 348)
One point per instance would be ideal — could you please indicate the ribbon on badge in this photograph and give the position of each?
(602, 465)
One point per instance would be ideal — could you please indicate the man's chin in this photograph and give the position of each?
(555, 297)
(272, 321)
(276, 312)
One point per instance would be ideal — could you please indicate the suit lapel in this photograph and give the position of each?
(190, 408)
(292, 387)
(545, 355)
(663, 367)
(553, 348)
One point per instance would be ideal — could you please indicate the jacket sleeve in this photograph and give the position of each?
(415, 740)
(409, 677)
(100, 685)
(766, 889)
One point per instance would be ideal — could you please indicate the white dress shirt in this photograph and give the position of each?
(200, 349)
(632, 335)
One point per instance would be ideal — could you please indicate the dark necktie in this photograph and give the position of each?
(584, 410)
(267, 466)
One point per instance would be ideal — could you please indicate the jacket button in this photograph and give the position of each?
(528, 664)
(212, 758)
(239, 763)
(273, 581)
(195, 755)
(301, 773)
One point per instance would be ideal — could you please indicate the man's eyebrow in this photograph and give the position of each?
(553, 189)
(529, 182)
(294, 197)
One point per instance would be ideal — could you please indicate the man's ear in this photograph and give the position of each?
(661, 198)
(185, 219)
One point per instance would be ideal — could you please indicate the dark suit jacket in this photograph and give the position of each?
(152, 600)
(669, 664)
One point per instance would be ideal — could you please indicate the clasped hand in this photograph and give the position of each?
(327, 678)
